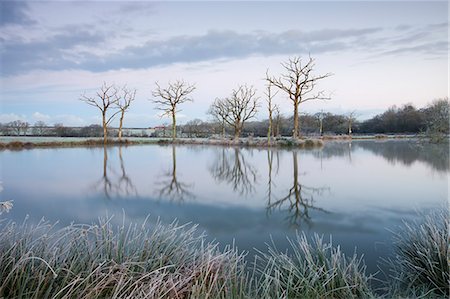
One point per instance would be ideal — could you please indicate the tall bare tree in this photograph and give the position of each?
(299, 83)
(219, 111)
(170, 97)
(105, 100)
(320, 116)
(123, 103)
(270, 107)
(277, 121)
(351, 118)
(242, 105)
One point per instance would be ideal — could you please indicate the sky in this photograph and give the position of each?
(381, 53)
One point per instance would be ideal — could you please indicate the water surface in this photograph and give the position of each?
(355, 191)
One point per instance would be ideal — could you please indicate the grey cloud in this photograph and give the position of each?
(433, 48)
(430, 40)
(57, 52)
(52, 54)
(14, 13)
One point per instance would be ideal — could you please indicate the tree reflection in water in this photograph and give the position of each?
(299, 200)
(113, 183)
(270, 182)
(234, 170)
(170, 186)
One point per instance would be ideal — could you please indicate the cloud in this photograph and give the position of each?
(76, 47)
(37, 116)
(57, 52)
(8, 117)
(14, 13)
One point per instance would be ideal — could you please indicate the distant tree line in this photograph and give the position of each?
(406, 119)
(235, 115)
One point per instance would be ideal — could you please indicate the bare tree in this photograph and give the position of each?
(219, 111)
(351, 118)
(437, 125)
(39, 128)
(270, 107)
(170, 97)
(299, 83)
(320, 116)
(276, 110)
(105, 100)
(18, 127)
(123, 104)
(242, 105)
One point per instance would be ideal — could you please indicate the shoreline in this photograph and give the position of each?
(21, 143)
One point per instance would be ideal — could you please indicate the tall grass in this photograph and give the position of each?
(173, 261)
(129, 262)
(313, 269)
(421, 261)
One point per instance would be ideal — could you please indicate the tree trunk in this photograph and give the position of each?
(295, 133)
(269, 130)
(321, 127)
(350, 128)
(223, 128)
(277, 127)
(237, 131)
(174, 126)
(105, 129)
(120, 125)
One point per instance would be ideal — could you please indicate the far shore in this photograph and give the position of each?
(28, 142)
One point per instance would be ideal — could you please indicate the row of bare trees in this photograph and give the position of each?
(297, 82)
(111, 98)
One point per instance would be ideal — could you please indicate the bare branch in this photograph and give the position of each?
(298, 83)
(168, 98)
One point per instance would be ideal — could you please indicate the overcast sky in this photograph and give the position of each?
(381, 53)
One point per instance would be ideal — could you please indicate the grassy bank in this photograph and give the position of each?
(136, 261)
(244, 142)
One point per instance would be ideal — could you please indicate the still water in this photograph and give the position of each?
(357, 192)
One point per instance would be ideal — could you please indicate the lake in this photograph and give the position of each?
(355, 191)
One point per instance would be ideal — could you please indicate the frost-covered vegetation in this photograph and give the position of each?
(173, 261)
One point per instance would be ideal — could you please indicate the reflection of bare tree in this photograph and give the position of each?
(105, 181)
(235, 170)
(299, 199)
(113, 183)
(125, 185)
(270, 164)
(172, 188)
